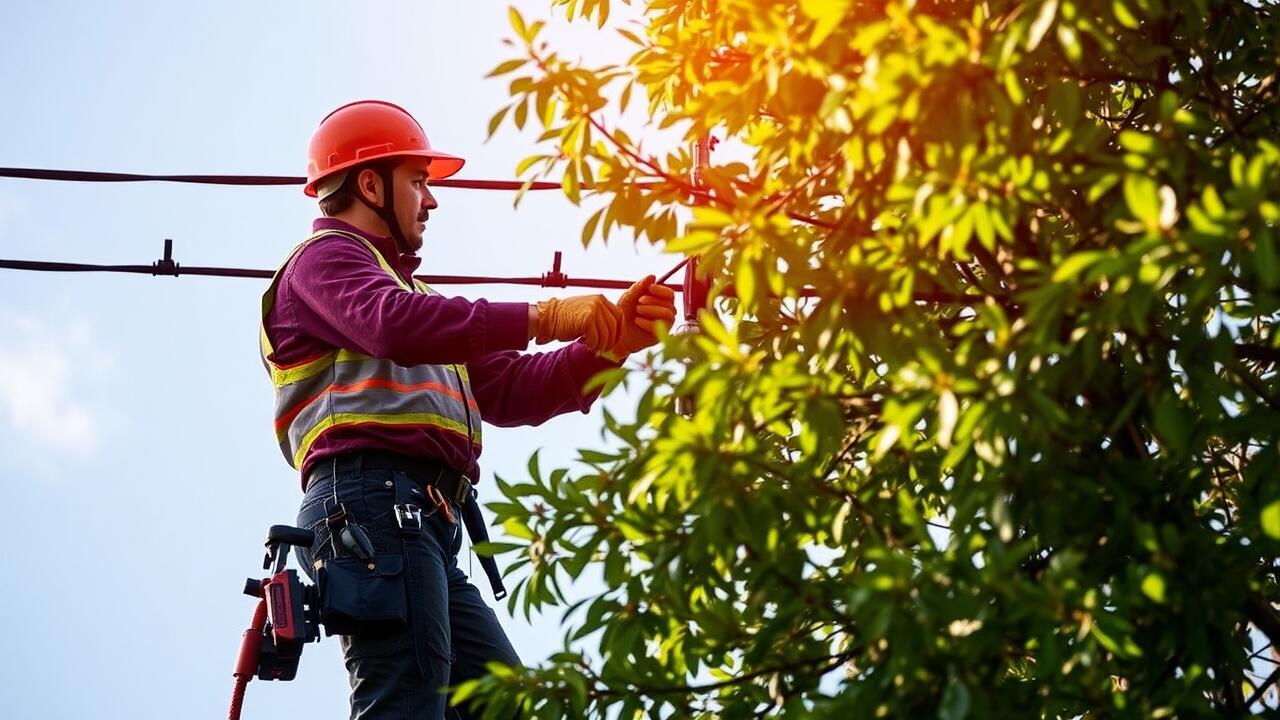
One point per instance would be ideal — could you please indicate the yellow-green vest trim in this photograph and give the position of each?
(342, 388)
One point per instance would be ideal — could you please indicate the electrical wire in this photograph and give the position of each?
(253, 180)
(166, 266)
(175, 270)
(555, 280)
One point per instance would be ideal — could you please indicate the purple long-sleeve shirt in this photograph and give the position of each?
(334, 294)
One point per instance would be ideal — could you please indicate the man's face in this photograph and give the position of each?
(413, 200)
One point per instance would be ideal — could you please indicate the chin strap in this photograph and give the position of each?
(388, 209)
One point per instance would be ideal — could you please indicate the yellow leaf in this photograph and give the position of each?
(826, 15)
(517, 22)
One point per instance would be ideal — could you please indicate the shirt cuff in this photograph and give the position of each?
(508, 327)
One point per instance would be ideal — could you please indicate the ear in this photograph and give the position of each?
(369, 184)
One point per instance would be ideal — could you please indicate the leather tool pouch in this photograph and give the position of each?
(363, 595)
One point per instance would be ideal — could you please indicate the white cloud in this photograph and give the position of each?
(42, 369)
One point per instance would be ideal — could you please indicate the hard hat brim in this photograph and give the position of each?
(442, 165)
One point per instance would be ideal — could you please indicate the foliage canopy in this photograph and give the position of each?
(1015, 454)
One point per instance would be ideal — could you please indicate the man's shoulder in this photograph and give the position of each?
(337, 240)
(328, 248)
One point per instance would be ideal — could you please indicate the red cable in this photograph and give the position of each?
(175, 270)
(247, 659)
(251, 180)
(595, 283)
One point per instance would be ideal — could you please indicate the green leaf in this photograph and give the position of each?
(518, 528)
(496, 548)
(534, 474)
(1142, 196)
(1153, 587)
(955, 702)
(1013, 88)
(1137, 142)
(982, 223)
(1070, 42)
(1070, 268)
(1042, 23)
(1271, 519)
(1123, 15)
(1265, 260)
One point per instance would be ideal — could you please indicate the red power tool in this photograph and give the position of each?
(284, 620)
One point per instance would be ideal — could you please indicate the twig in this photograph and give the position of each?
(1253, 382)
(1263, 688)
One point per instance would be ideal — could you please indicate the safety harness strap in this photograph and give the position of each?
(478, 533)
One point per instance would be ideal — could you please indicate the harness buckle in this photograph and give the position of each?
(408, 517)
(463, 493)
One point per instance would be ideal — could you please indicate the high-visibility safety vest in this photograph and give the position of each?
(341, 388)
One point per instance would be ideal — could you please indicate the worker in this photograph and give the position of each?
(381, 385)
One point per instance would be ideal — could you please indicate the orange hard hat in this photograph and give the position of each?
(368, 130)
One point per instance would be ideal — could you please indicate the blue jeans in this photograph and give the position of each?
(403, 675)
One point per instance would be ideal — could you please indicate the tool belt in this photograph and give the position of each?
(449, 482)
(423, 470)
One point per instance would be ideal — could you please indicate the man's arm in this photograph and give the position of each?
(515, 389)
(344, 298)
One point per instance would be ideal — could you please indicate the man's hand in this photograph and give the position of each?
(590, 317)
(643, 305)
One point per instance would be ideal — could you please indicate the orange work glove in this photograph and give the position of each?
(590, 317)
(643, 305)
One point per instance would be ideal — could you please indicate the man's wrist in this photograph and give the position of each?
(533, 320)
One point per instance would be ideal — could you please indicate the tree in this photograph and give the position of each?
(986, 415)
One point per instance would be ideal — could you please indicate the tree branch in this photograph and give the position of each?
(830, 661)
(1250, 351)
(1255, 384)
(1262, 688)
(1263, 615)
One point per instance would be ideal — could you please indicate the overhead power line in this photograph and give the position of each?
(249, 180)
(553, 278)
(167, 266)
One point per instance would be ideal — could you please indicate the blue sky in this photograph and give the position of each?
(137, 462)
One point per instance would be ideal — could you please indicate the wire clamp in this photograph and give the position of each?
(555, 278)
(165, 265)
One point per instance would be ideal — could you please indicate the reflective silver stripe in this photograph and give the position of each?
(373, 402)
